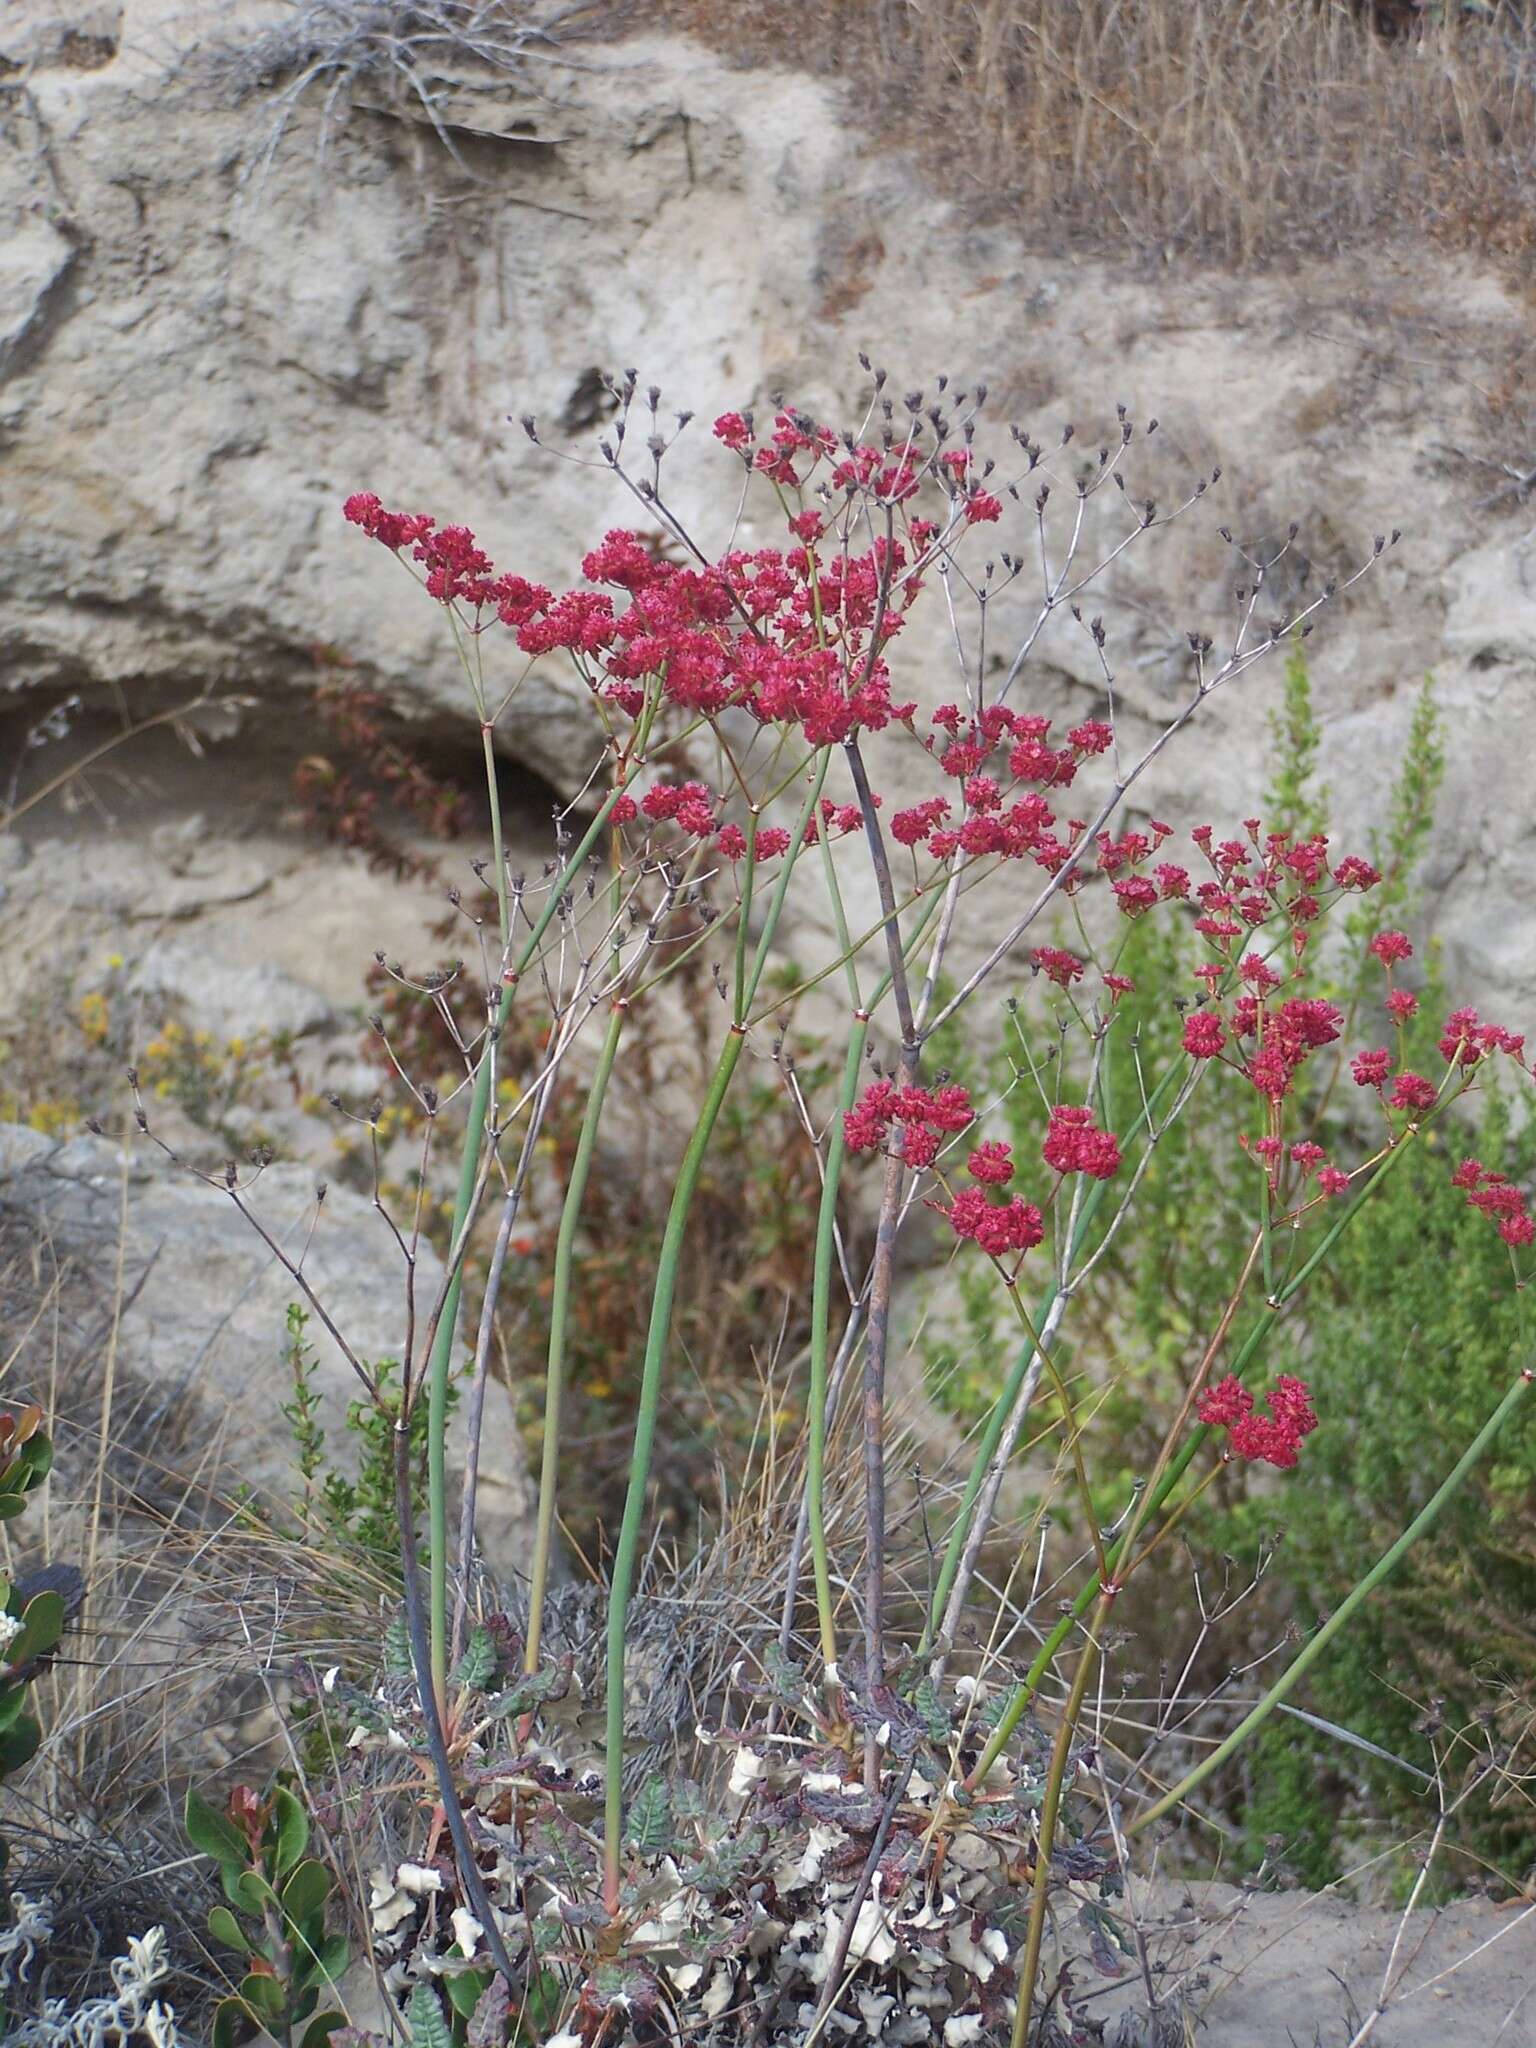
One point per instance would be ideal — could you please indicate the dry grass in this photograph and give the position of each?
(196, 1623)
(1245, 132)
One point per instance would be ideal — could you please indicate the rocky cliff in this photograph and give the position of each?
(211, 331)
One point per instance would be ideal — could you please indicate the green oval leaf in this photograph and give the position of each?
(42, 1623)
(291, 1826)
(36, 1459)
(18, 1745)
(306, 1891)
(332, 1956)
(264, 1995)
(251, 1892)
(231, 2017)
(223, 1926)
(464, 1988)
(214, 1833)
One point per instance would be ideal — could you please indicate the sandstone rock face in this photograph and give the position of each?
(206, 1300)
(209, 335)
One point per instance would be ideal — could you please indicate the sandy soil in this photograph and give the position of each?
(1298, 1970)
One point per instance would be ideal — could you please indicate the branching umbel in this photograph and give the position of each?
(760, 768)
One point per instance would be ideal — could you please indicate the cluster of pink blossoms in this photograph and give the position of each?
(925, 1118)
(797, 447)
(775, 632)
(1009, 1224)
(1271, 1439)
(1502, 1203)
(1075, 1144)
(693, 808)
(999, 1222)
(1306, 1157)
(1287, 1033)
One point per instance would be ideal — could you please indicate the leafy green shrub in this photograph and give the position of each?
(1406, 1337)
(275, 1919)
(31, 1622)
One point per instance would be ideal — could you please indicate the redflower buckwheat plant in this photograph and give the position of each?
(770, 757)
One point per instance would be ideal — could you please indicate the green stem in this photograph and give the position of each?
(559, 1313)
(743, 918)
(498, 852)
(1029, 1960)
(1002, 1408)
(441, 1360)
(821, 1317)
(1177, 1466)
(626, 1551)
(1316, 1644)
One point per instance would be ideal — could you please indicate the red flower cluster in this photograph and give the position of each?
(458, 570)
(1391, 947)
(787, 639)
(1074, 1144)
(1466, 1040)
(1290, 1032)
(1497, 1199)
(1057, 965)
(1204, 1034)
(1258, 876)
(1013, 1225)
(688, 805)
(1270, 1439)
(1371, 1069)
(998, 1227)
(925, 1117)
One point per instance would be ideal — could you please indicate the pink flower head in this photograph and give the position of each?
(1074, 1144)
(865, 1125)
(912, 827)
(982, 508)
(1225, 1403)
(1258, 973)
(1204, 1035)
(394, 530)
(924, 1117)
(1498, 1199)
(1391, 947)
(1332, 1182)
(1467, 1040)
(919, 1145)
(1057, 965)
(1371, 1069)
(998, 1228)
(732, 430)
(1093, 736)
(1354, 873)
(1270, 1439)
(1402, 1004)
(1412, 1091)
(1135, 895)
(991, 1162)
